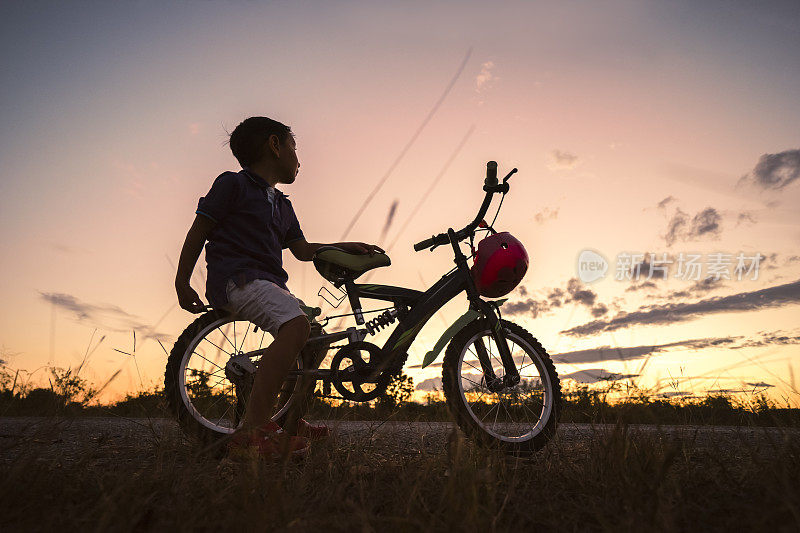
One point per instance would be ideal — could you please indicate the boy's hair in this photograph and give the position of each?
(248, 139)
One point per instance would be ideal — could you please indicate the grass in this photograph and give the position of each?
(138, 471)
(614, 479)
(581, 404)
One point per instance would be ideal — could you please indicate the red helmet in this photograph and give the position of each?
(500, 264)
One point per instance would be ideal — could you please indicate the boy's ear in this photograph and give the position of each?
(274, 144)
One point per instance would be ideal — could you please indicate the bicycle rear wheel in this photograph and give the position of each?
(519, 419)
(209, 374)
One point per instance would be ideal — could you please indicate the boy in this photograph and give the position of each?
(247, 223)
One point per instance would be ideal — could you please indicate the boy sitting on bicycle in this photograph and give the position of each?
(247, 223)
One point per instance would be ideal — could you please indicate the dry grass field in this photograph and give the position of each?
(122, 474)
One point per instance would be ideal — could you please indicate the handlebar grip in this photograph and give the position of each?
(427, 243)
(436, 240)
(491, 173)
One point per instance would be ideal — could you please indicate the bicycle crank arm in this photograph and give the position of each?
(321, 373)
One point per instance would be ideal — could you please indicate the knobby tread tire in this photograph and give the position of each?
(450, 379)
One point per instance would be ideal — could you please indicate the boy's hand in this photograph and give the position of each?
(360, 248)
(188, 298)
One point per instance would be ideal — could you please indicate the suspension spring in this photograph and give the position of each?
(381, 321)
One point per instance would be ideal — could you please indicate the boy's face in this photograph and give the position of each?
(287, 160)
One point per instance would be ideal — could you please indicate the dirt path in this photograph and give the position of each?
(126, 439)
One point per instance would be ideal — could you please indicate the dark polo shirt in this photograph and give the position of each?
(255, 222)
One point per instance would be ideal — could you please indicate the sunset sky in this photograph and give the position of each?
(637, 127)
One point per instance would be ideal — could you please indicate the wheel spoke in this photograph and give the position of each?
(221, 397)
(487, 413)
(223, 378)
(226, 338)
(531, 412)
(514, 414)
(217, 347)
(202, 357)
(473, 366)
(226, 410)
(466, 378)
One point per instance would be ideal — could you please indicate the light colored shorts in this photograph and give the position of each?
(263, 303)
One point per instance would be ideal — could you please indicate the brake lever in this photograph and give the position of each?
(508, 176)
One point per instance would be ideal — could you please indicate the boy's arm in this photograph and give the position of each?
(304, 251)
(192, 246)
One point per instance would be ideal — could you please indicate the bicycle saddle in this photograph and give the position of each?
(337, 266)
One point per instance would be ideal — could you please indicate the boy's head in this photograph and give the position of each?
(259, 141)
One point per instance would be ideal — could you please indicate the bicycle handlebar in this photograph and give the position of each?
(491, 186)
(435, 240)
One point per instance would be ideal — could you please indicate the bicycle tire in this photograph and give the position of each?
(188, 417)
(467, 416)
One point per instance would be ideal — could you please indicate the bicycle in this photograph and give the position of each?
(499, 382)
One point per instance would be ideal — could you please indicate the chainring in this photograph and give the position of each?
(351, 373)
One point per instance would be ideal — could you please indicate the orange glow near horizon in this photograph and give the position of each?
(110, 137)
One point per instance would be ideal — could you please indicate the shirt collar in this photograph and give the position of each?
(261, 183)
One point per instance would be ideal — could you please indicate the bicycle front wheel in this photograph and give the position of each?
(210, 372)
(519, 419)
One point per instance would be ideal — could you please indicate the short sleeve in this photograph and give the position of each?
(220, 200)
(294, 232)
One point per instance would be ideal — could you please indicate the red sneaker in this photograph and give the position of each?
(312, 432)
(269, 442)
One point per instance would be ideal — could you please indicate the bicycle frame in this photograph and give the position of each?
(414, 308)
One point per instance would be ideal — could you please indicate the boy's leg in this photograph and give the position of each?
(277, 360)
(303, 394)
(277, 311)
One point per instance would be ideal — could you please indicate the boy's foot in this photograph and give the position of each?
(268, 442)
(312, 432)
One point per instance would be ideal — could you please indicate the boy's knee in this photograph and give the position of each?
(296, 329)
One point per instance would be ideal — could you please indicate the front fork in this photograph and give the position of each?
(491, 316)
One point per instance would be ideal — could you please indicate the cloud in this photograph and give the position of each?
(607, 353)
(595, 375)
(560, 160)
(105, 316)
(70, 250)
(430, 384)
(580, 294)
(775, 171)
(746, 217)
(670, 313)
(663, 204)
(705, 223)
(575, 292)
(698, 288)
(527, 307)
(670, 394)
(547, 214)
(485, 80)
(676, 226)
(652, 267)
(774, 338)
(639, 286)
(759, 385)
